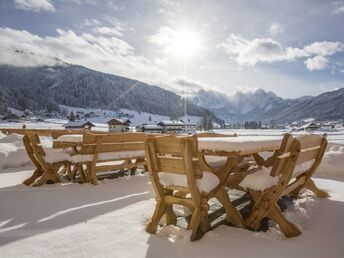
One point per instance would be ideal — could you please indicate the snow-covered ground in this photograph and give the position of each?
(108, 220)
(333, 136)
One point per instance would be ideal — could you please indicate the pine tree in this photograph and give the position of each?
(71, 117)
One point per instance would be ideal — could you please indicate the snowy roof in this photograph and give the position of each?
(117, 121)
(171, 123)
(77, 124)
(309, 125)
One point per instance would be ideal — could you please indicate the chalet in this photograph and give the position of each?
(150, 128)
(118, 125)
(172, 126)
(85, 125)
(309, 127)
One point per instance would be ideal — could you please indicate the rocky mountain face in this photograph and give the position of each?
(239, 107)
(267, 106)
(45, 87)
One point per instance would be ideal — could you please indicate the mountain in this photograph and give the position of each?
(239, 107)
(326, 106)
(47, 87)
(267, 106)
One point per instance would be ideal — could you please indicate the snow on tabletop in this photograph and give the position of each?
(259, 180)
(108, 156)
(207, 183)
(70, 138)
(240, 143)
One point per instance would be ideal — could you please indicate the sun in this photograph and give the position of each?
(185, 44)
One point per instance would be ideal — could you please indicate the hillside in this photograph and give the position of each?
(46, 87)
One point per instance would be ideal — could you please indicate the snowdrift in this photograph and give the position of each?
(12, 151)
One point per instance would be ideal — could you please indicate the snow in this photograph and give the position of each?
(215, 161)
(207, 183)
(259, 180)
(333, 162)
(108, 156)
(240, 143)
(75, 220)
(12, 151)
(303, 167)
(137, 118)
(108, 220)
(70, 138)
(262, 179)
(53, 155)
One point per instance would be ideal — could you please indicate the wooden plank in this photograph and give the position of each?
(111, 147)
(171, 165)
(90, 138)
(310, 141)
(308, 154)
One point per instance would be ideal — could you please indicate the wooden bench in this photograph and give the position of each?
(312, 152)
(107, 152)
(267, 185)
(179, 177)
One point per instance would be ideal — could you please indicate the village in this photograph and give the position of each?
(117, 122)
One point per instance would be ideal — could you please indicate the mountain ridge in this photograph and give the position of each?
(262, 105)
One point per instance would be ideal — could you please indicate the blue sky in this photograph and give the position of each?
(293, 48)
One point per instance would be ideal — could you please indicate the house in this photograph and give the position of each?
(190, 128)
(12, 118)
(85, 125)
(309, 127)
(172, 126)
(150, 128)
(117, 125)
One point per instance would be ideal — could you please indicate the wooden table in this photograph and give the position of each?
(236, 149)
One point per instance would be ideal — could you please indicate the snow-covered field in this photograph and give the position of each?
(108, 220)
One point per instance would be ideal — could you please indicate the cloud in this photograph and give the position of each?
(317, 63)
(109, 31)
(103, 53)
(35, 5)
(275, 29)
(267, 50)
(247, 52)
(188, 86)
(339, 9)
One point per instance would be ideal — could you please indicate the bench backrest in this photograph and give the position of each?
(288, 154)
(312, 151)
(175, 155)
(99, 143)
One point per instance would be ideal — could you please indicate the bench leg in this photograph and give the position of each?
(195, 222)
(310, 185)
(159, 211)
(48, 175)
(288, 228)
(36, 174)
